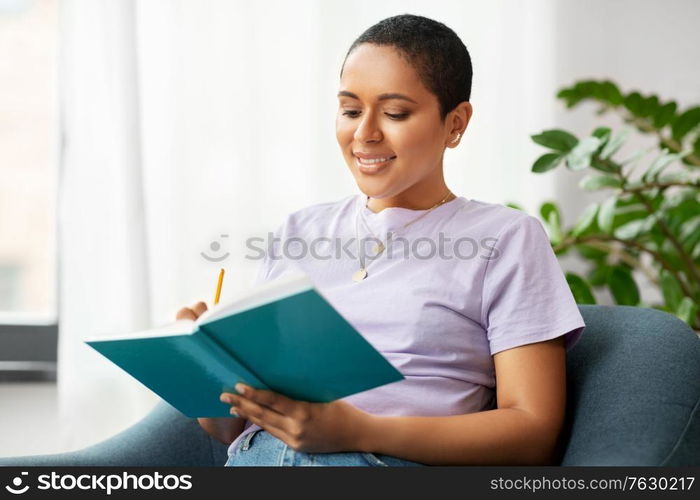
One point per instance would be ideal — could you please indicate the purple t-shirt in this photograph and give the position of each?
(451, 289)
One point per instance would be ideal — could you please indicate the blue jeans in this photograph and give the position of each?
(260, 448)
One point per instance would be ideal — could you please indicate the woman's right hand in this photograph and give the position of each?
(224, 429)
(193, 312)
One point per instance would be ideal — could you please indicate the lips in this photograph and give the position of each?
(374, 165)
(372, 159)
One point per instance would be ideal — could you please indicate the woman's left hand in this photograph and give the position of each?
(303, 426)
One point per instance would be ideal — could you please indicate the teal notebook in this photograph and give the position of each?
(282, 336)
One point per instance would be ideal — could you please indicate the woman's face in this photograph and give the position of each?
(389, 129)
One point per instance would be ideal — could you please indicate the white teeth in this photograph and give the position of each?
(367, 161)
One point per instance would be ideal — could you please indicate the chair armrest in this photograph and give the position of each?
(163, 438)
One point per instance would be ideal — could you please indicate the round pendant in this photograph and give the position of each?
(359, 275)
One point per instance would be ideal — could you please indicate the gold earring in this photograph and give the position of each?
(459, 134)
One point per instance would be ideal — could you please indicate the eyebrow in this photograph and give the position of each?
(381, 97)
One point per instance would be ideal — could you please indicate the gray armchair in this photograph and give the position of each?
(633, 395)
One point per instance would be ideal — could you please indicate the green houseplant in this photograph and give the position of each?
(650, 220)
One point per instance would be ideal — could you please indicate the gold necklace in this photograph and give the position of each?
(361, 273)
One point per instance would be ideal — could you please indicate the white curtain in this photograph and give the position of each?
(189, 124)
(104, 271)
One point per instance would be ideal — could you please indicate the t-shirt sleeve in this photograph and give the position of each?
(263, 271)
(526, 298)
(273, 263)
(269, 252)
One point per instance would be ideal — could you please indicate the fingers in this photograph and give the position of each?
(286, 425)
(186, 313)
(257, 413)
(191, 313)
(199, 308)
(274, 400)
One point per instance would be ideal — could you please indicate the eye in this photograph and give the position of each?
(393, 116)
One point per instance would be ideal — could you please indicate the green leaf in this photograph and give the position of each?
(626, 212)
(687, 310)
(604, 166)
(650, 105)
(590, 252)
(606, 215)
(671, 289)
(664, 115)
(546, 162)
(612, 93)
(623, 287)
(549, 211)
(593, 182)
(602, 133)
(687, 160)
(660, 163)
(684, 202)
(570, 95)
(685, 122)
(630, 230)
(580, 289)
(586, 219)
(696, 147)
(558, 140)
(515, 206)
(675, 177)
(598, 91)
(634, 103)
(615, 143)
(552, 218)
(670, 253)
(629, 164)
(586, 88)
(690, 233)
(651, 221)
(599, 275)
(580, 156)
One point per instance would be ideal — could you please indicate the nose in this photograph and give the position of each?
(367, 130)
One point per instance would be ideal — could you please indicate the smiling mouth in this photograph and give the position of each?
(373, 165)
(374, 161)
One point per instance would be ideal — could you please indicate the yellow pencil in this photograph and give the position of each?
(218, 286)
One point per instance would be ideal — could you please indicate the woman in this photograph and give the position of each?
(480, 299)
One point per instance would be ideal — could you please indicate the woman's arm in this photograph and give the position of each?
(531, 391)
(523, 430)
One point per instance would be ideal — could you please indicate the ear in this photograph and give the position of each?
(457, 121)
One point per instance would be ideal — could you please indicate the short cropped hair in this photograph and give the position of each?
(438, 55)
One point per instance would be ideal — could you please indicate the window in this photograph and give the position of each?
(9, 286)
(28, 167)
